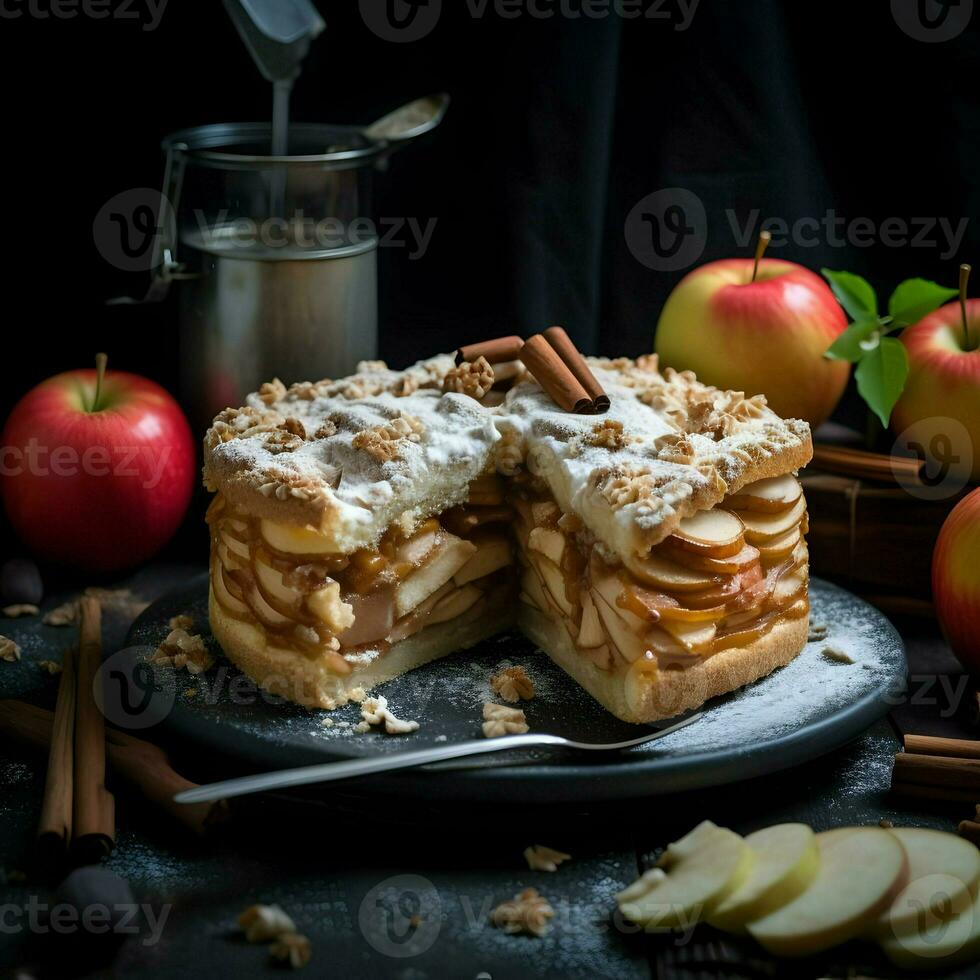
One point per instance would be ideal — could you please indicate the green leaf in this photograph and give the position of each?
(855, 294)
(881, 376)
(847, 347)
(915, 298)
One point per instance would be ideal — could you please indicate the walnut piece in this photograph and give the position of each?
(836, 656)
(473, 378)
(264, 923)
(375, 711)
(541, 858)
(526, 912)
(51, 667)
(181, 622)
(607, 434)
(325, 430)
(512, 684)
(405, 386)
(272, 392)
(327, 605)
(180, 650)
(9, 650)
(292, 948)
(294, 427)
(499, 719)
(19, 609)
(384, 442)
(63, 615)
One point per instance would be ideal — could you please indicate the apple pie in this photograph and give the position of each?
(363, 527)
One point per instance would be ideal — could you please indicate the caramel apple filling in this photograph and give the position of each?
(350, 607)
(723, 579)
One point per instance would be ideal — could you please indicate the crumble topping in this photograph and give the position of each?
(608, 434)
(526, 912)
(375, 711)
(512, 684)
(383, 442)
(499, 719)
(20, 609)
(264, 923)
(473, 378)
(181, 650)
(272, 392)
(541, 858)
(292, 948)
(9, 650)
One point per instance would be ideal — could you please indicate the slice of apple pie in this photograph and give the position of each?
(363, 527)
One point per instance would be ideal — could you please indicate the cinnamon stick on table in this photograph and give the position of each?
(142, 764)
(937, 770)
(569, 353)
(54, 827)
(93, 818)
(551, 372)
(862, 464)
(959, 748)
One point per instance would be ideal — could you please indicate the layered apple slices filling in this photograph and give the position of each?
(723, 579)
(341, 607)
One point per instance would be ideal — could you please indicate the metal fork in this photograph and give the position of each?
(331, 771)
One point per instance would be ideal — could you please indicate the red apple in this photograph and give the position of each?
(96, 472)
(956, 580)
(763, 335)
(944, 377)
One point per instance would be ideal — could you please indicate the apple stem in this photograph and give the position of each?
(100, 364)
(964, 280)
(765, 237)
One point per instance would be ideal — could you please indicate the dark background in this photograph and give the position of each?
(558, 128)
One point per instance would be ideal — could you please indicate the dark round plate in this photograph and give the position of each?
(804, 710)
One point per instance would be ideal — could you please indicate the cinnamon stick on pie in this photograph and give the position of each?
(495, 351)
(569, 353)
(555, 376)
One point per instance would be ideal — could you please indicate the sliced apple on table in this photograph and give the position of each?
(861, 871)
(933, 858)
(492, 554)
(761, 528)
(776, 494)
(447, 559)
(694, 875)
(715, 533)
(943, 941)
(786, 862)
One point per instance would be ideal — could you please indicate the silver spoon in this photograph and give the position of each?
(409, 121)
(330, 771)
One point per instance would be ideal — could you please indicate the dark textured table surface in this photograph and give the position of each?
(390, 890)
